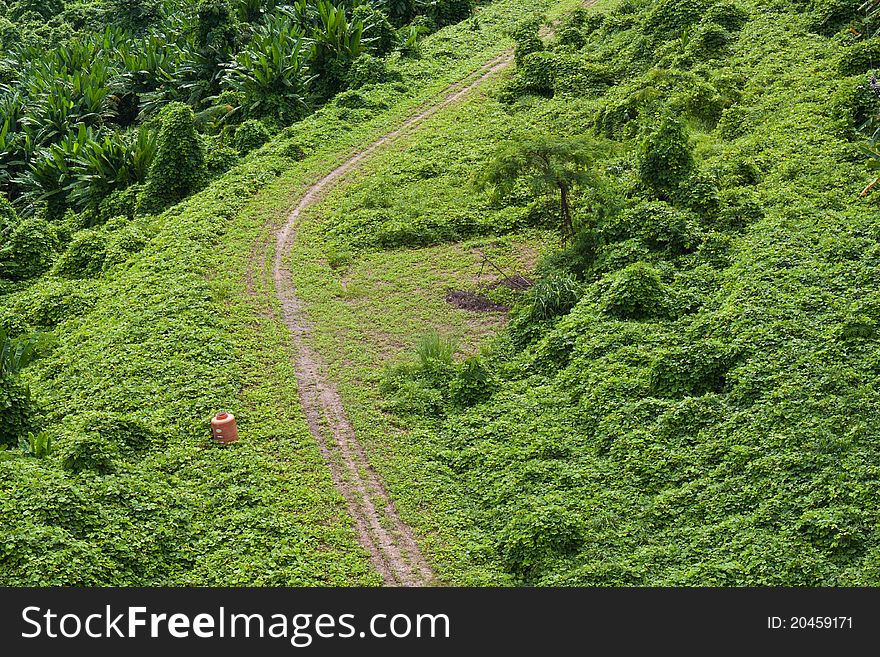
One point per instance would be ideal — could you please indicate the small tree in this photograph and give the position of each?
(178, 166)
(546, 164)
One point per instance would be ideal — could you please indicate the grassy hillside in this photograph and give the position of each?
(688, 395)
(167, 329)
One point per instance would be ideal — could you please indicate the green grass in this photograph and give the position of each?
(174, 334)
(725, 438)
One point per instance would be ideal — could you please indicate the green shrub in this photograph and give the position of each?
(852, 105)
(250, 135)
(472, 383)
(120, 203)
(127, 433)
(88, 452)
(570, 37)
(527, 39)
(709, 41)
(537, 535)
(57, 300)
(730, 15)
(733, 122)
(29, 249)
(694, 369)
(554, 296)
(659, 226)
(636, 292)
(16, 409)
(366, 70)
(667, 17)
(699, 193)
(664, 158)
(85, 255)
(828, 16)
(178, 168)
(122, 244)
(859, 57)
(537, 72)
(219, 156)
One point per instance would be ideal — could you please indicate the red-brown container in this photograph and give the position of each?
(223, 428)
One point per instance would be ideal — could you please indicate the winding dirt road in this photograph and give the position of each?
(387, 538)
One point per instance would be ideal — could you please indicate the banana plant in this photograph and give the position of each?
(49, 174)
(272, 72)
(111, 163)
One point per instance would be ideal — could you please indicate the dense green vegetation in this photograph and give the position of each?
(687, 396)
(149, 325)
(81, 84)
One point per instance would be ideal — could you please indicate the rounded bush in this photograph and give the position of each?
(673, 16)
(636, 292)
(84, 257)
(16, 408)
(537, 73)
(729, 15)
(709, 42)
(664, 158)
(250, 135)
(178, 167)
(29, 250)
(365, 70)
(88, 452)
(126, 431)
(538, 535)
(56, 300)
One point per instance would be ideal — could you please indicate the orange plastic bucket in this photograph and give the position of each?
(223, 428)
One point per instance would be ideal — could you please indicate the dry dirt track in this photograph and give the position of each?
(390, 542)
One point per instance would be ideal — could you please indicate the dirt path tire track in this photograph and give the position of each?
(387, 538)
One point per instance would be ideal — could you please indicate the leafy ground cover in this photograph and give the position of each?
(151, 341)
(687, 396)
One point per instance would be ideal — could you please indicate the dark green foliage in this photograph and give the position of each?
(853, 105)
(472, 384)
(378, 30)
(859, 57)
(664, 156)
(537, 73)
(554, 297)
(89, 452)
(365, 70)
(828, 16)
(178, 168)
(537, 535)
(84, 257)
(695, 369)
(16, 406)
(659, 226)
(709, 41)
(732, 16)
(16, 409)
(636, 293)
(669, 17)
(250, 135)
(527, 40)
(57, 300)
(28, 248)
(128, 433)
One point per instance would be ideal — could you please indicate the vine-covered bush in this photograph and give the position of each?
(250, 135)
(637, 293)
(178, 169)
(85, 255)
(29, 249)
(664, 156)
